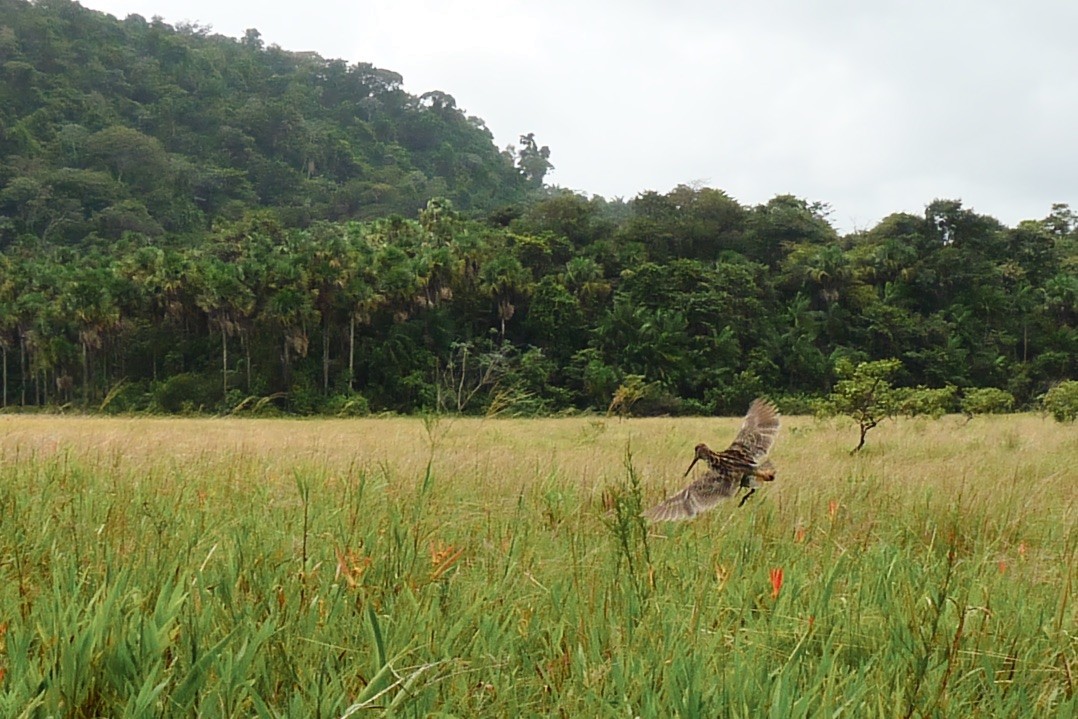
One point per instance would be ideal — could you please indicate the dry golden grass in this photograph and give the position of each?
(1019, 468)
(949, 455)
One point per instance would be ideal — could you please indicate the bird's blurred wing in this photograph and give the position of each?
(700, 496)
(758, 431)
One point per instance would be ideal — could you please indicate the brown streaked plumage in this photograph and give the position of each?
(739, 465)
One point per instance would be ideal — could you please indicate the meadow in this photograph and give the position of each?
(499, 567)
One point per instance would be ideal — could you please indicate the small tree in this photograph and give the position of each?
(864, 393)
(1062, 401)
(986, 400)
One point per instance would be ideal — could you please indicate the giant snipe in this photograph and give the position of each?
(738, 466)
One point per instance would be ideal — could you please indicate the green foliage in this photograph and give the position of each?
(864, 393)
(797, 404)
(729, 393)
(597, 381)
(127, 397)
(187, 128)
(531, 386)
(1062, 401)
(986, 400)
(345, 405)
(632, 389)
(305, 399)
(933, 402)
(625, 520)
(187, 392)
(533, 161)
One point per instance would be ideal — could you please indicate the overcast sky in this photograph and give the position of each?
(872, 106)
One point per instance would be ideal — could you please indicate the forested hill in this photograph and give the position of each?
(111, 125)
(195, 222)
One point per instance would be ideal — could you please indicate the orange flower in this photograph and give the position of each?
(1021, 549)
(776, 582)
(351, 565)
(442, 557)
(799, 535)
(832, 509)
(1002, 566)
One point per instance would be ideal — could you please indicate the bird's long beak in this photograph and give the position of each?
(694, 461)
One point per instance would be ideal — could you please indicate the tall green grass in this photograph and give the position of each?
(500, 568)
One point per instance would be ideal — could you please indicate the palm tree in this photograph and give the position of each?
(505, 281)
(289, 309)
(87, 301)
(159, 280)
(8, 317)
(222, 295)
(324, 253)
(360, 295)
(584, 278)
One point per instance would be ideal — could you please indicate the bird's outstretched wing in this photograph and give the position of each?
(700, 496)
(758, 431)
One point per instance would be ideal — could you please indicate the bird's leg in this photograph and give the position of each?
(747, 482)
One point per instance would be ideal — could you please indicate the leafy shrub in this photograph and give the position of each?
(986, 400)
(935, 403)
(255, 405)
(127, 397)
(347, 405)
(305, 399)
(187, 392)
(235, 400)
(517, 402)
(694, 408)
(1062, 401)
(659, 402)
(535, 376)
(797, 404)
(731, 398)
(597, 380)
(631, 391)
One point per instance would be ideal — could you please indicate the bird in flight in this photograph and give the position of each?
(738, 466)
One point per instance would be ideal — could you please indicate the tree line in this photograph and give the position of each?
(684, 302)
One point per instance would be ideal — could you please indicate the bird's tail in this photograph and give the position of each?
(766, 471)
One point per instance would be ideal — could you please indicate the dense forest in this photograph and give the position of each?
(195, 222)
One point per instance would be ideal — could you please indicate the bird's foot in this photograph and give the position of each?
(746, 497)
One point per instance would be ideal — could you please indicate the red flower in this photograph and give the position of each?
(776, 582)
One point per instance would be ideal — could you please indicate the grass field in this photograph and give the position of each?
(215, 567)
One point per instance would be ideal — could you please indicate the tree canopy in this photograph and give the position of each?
(112, 125)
